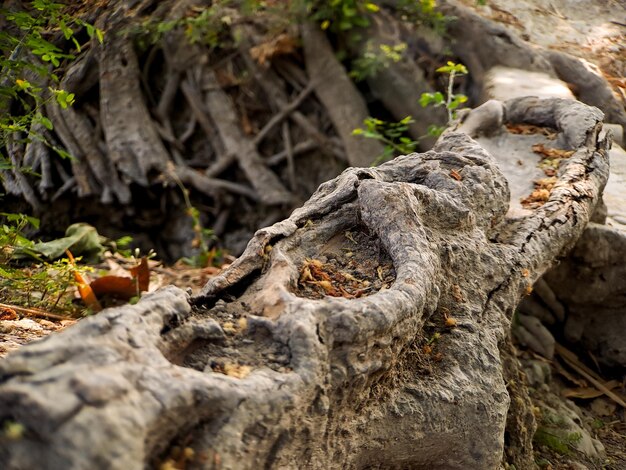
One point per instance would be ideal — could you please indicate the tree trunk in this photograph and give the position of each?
(367, 330)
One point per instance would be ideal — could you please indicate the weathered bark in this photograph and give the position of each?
(377, 381)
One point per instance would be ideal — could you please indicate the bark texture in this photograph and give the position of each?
(262, 370)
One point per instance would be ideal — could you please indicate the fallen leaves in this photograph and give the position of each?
(552, 153)
(122, 287)
(530, 129)
(283, 44)
(338, 283)
(84, 289)
(541, 193)
(456, 175)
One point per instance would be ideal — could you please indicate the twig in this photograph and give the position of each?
(273, 87)
(267, 185)
(36, 312)
(301, 147)
(194, 98)
(208, 186)
(573, 361)
(189, 129)
(220, 165)
(282, 114)
(168, 95)
(291, 168)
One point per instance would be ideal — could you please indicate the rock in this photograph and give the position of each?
(532, 306)
(545, 293)
(561, 426)
(503, 83)
(537, 372)
(592, 283)
(530, 332)
(615, 190)
(603, 407)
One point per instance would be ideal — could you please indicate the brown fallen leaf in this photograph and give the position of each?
(529, 129)
(283, 44)
(84, 289)
(551, 153)
(456, 175)
(7, 313)
(236, 370)
(589, 392)
(121, 287)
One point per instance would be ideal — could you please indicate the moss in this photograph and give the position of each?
(560, 443)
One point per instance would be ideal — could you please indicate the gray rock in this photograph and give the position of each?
(503, 83)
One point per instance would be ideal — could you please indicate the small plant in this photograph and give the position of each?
(375, 59)
(450, 101)
(42, 285)
(423, 12)
(392, 134)
(341, 15)
(202, 236)
(26, 34)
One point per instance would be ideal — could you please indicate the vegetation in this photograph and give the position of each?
(394, 134)
(30, 33)
(44, 37)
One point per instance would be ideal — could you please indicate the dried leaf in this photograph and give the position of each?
(587, 393)
(84, 289)
(552, 153)
(7, 313)
(122, 287)
(529, 129)
(456, 175)
(236, 370)
(457, 294)
(142, 273)
(283, 44)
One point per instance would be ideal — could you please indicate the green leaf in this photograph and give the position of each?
(67, 31)
(100, 35)
(80, 238)
(44, 121)
(76, 44)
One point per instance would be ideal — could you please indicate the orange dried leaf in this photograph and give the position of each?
(456, 175)
(84, 289)
(7, 313)
(124, 287)
(283, 44)
(141, 272)
(551, 153)
(116, 286)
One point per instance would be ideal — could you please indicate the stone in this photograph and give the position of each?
(503, 83)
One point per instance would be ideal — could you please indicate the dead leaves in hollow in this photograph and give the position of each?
(552, 153)
(318, 279)
(550, 162)
(530, 129)
(541, 193)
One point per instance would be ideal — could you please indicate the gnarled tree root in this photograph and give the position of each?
(264, 370)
